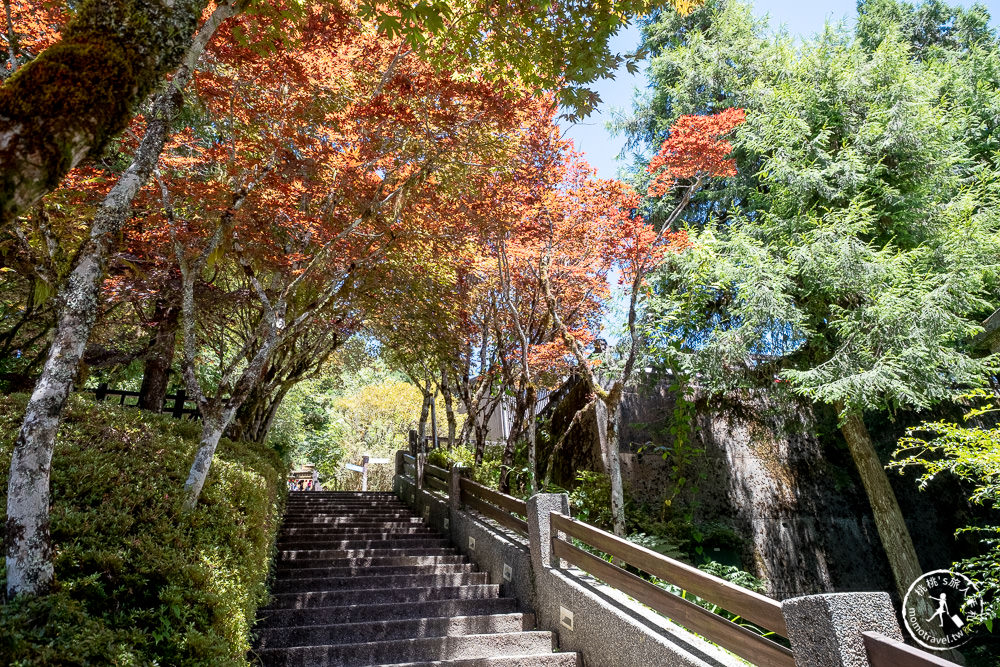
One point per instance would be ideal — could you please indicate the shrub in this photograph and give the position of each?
(139, 581)
(487, 473)
(970, 451)
(590, 499)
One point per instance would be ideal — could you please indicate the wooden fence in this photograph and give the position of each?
(887, 652)
(497, 506)
(754, 607)
(759, 610)
(493, 504)
(175, 404)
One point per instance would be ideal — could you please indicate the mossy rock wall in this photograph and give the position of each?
(582, 449)
(777, 472)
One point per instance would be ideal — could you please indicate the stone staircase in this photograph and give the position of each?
(360, 580)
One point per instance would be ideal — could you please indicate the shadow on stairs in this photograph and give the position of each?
(361, 580)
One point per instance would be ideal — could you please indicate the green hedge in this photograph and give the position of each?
(140, 582)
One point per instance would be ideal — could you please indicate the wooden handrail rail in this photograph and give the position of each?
(741, 641)
(887, 652)
(509, 503)
(505, 519)
(435, 471)
(436, 484)
(754, 607)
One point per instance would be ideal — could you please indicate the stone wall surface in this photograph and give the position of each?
(774, 471)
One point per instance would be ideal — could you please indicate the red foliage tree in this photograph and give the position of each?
(694, 152)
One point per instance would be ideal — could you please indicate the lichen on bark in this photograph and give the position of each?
(67, 103)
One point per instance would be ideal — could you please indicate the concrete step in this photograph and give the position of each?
(408, 529)
(327, 510)
(371, 536)
(410, 650)
(407, 628)
(348, 522)
(340, 511)
(315, 584)
(316, 538)
(372, 571)
(333, 502)
(314, 517)
(344, 502)
(540, 660)
(373, 561)
(337, 554)
(333, 543)
(308, 599)
(365, 613)
(364, 495)
(323, 510)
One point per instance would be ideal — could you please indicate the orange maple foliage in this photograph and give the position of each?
(357, 153)
(694, 149)
(36, 25)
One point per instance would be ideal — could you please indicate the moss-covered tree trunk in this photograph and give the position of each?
(889, 520)
(425, 411)
(531, 429)
(481, 429)
(507, 457)
(66, 104)
(212, 426)
(29, 562)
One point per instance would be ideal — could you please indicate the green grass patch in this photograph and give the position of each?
(139, 581)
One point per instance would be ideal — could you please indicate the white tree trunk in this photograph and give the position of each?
(615, 471)
(29, 566)
(532, 442)
(211, 431)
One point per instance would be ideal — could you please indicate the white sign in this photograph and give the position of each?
(370, 461)
(565, 618)
(351, 466)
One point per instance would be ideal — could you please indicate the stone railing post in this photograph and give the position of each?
(825, 630)
(421, 462)
(455, 486)
(399, 461)
(540, 506)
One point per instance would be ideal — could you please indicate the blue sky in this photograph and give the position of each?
(801, 17)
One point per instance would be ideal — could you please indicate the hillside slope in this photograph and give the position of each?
(140, 582)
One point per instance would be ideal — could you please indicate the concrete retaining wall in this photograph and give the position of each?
(605, 626)
(493, 547)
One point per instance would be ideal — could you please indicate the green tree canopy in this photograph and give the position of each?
(858, 253)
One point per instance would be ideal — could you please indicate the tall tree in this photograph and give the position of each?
(29, 562)
(602, 212)
(856, 264)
